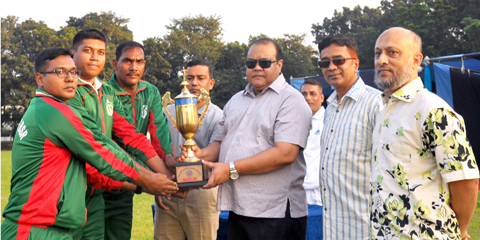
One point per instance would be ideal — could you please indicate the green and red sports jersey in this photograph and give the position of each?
(104, 114)
(145, 107)
(49, 152)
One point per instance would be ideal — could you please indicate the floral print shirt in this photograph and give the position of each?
(419, 146)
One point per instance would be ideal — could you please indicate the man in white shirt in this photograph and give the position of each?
(425, 176)
(312, 91)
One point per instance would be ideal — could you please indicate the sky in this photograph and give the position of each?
(239, 19)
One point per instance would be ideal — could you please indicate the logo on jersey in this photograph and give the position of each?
(144, 111)
(109, 108)
(22, 130)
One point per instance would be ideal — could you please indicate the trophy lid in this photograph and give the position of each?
(185, 93)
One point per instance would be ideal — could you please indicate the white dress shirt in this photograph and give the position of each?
(312, 158)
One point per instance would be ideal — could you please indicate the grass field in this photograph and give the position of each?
(142, 211)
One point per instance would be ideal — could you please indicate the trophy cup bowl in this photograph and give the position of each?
(191, 173)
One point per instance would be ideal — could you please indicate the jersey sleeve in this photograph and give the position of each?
(100, 181)
(158, 127)
(70, 131)
(136, 144)
(90, 124)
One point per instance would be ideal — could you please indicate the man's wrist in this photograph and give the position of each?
(138, 190)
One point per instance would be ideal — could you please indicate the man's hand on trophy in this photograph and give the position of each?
(170, 162)
(183, 155)
(159, 184)
(220, 173)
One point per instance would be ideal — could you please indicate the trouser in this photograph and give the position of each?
(94, 227)
(13, 230)
(195, 216)
(249, 228)
(118, 214)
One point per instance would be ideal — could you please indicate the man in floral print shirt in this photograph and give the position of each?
(425, 177)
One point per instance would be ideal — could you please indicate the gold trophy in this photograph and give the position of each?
(191, 173)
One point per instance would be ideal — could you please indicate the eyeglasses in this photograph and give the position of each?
(325, 63)
(63, 73)
(264, 63)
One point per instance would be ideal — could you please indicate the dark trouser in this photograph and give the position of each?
(248, 228)
(118, 214)
(93, 228)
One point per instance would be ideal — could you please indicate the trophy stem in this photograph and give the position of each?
(191, 155)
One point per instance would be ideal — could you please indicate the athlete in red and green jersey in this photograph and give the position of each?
(145, 107)
(99, 106)
(142, 101)
(49, 153)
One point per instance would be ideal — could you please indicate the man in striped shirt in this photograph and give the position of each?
(345, 160)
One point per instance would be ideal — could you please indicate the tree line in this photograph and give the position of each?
(446, 27)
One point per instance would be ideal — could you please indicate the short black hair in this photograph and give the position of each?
(87, 34)
(49, 54)
(201, 62)
(340, 40)
(266, 40)
(312, 82)
(124, 46)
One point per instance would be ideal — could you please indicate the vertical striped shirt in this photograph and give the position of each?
(345, 161)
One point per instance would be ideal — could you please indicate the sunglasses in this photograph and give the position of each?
(264, 63)
(325, 63)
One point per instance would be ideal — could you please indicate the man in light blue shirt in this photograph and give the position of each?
(345, 159)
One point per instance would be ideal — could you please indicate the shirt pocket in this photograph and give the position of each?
(410, 167)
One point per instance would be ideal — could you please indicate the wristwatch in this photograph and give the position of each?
(233, 172)
(138, 190)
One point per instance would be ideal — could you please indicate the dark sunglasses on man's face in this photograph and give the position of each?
(325, 63)
(264, 63)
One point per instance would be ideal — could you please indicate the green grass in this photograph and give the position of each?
(142, 210)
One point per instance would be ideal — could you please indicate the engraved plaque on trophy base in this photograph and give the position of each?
(191, 174)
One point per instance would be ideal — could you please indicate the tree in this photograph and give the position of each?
(21, 42)
(229, 73)
(359, 24)
(471, 41)
(157, 67)
(297, 57)
(191, 38)
(114, 28)
(440, 24)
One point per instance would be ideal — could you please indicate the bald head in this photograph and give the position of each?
(397, 58)
(406, 35)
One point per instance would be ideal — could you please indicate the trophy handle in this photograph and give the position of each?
(204, 96)
(166, 100)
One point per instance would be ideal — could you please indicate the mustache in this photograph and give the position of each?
(133, 74)
(384, 68)
(195, 88)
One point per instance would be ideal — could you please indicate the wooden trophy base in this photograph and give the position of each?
(191, 174)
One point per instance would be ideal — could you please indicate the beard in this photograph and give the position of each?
(398, 79)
